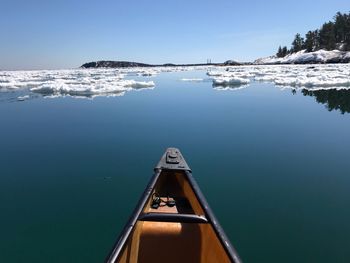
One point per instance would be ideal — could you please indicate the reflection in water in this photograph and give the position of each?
(75, 94)
(334, 99)
(230, 87)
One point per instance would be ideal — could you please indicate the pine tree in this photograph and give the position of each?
(279, 52)
(311, 41)
(327, 36)
(340, 27)
(298, 43)
(347, 32)
(285, 51)
(316, 40)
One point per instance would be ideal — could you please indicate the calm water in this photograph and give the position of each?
(273, 165)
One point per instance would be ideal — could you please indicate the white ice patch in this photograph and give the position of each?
(148, 73)
(77, 82)
(113, 82)
(325, 76)
(98, 89)
(84, 82)
(229, 81)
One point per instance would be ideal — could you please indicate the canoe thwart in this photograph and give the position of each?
(171, 217)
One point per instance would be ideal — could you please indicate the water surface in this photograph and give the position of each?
(273, 165)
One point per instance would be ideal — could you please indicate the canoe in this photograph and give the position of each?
(172, 221)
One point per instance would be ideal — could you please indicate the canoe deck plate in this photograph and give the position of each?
(173, 159)
(172, 156)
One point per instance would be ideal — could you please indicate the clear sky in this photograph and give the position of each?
(43, 34)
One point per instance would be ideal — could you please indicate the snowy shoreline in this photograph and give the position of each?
(303, 57)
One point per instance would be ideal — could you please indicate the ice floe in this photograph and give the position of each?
(325, 76)
(75, 82)
(230, 81)
(85, 82)
(116, 82)
(91, 90)
(148, 73)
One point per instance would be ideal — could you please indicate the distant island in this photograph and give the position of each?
(126, 64)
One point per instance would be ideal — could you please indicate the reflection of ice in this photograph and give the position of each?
(193, 80)
(234, 88)
(86, 96)
(23, 98)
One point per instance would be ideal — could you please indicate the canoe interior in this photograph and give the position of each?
(154, 241)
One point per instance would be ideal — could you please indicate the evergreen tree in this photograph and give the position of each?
(316, 40)
(340, 27)
(298, 43)
(311, 41)
(279, 52)
(284, 51)
(327, 36)
(347, 31)
(331, 35)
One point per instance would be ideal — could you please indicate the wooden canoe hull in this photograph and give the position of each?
(185, 232)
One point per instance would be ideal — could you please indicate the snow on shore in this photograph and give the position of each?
(302, 57)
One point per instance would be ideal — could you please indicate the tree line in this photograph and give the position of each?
(331, 35)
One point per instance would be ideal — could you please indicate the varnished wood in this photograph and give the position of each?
(155, 242)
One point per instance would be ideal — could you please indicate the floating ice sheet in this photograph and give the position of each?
(326, 76)
(115, 82)
(77, 82)
(230, 81)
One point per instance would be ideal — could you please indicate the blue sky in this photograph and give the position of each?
(64, 34)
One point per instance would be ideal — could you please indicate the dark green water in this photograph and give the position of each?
(274, 167)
